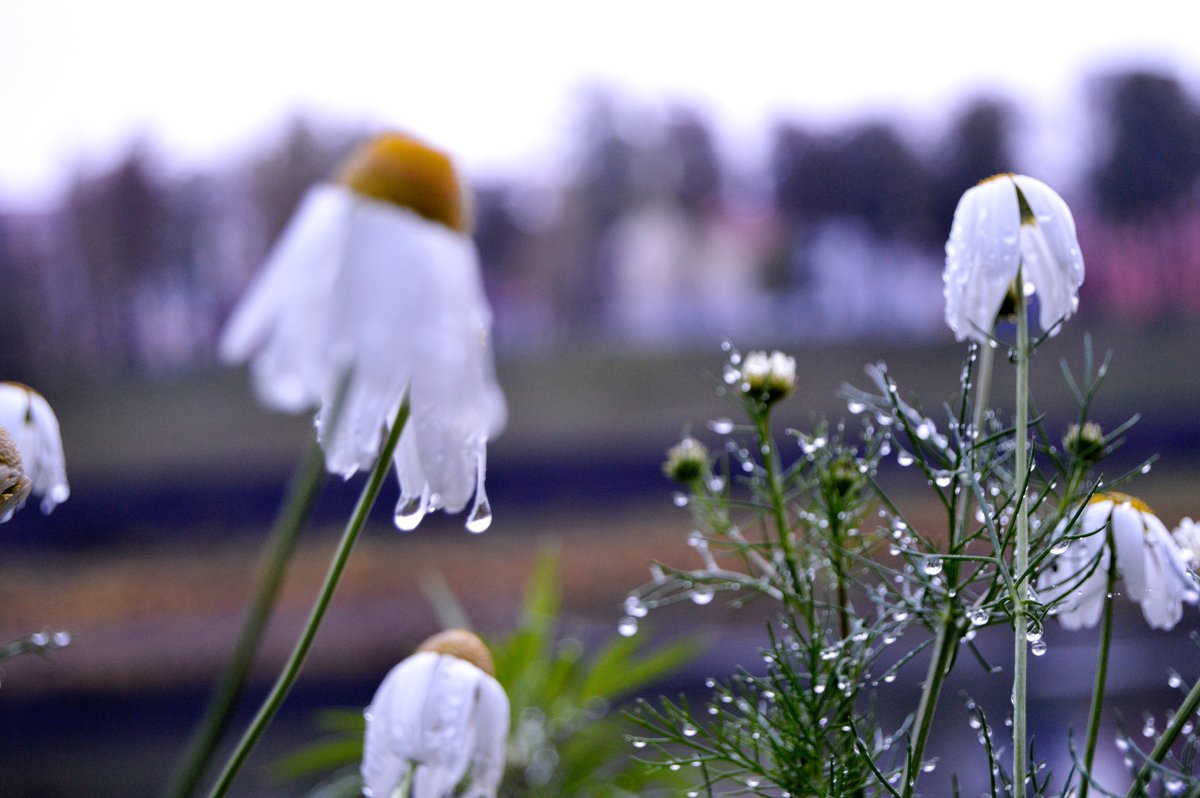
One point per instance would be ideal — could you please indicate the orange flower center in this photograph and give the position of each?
(1123, 498)
(401, 170)
(462, 644)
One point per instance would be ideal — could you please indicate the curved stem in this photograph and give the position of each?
(1021, 546)
(291, 669)
(297, 504)
(1093, 727)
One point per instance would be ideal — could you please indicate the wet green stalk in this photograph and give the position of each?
(1093, 727)
(1021, 548)
(291, 670)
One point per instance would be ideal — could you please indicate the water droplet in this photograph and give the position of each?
(1148, 728)
(903, 458)
(721, 426)
(680, 499)
(627, 627)
(481, 515)
(1038, 648)
(635, 607)
(855, 407)
(731, 375)
(410, 510)
(702, 595)
(689, 730)
(819, 688)
(1146, 468)
(978, 616)
(943, 479)
(638, 742)
(1060, 547)
(716, 484)
(39, 638)
(1033, 633)
(62, 639)
(932, 566)
(1174, 680)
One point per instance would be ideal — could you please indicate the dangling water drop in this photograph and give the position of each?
(627, 627)
(903, 459)
(410, 510)
(932, 566)
(481, 512)
(1060, 547)
(721, 426)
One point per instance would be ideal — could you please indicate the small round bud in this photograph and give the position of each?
(844, 477)
(686, 461)
(464, 645)
(401, 170)
(1086, 442)
(769, 377)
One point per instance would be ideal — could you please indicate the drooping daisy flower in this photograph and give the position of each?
(31, 453)
(765, 377)
(377, 282)
(439, 717)
(1153, 567)
(1005, 224)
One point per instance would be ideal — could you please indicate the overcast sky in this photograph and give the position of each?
(491, 80)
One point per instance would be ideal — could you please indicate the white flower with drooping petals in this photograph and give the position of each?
(1010, 223)
(439, 717)
(37, 464)
(375, 280)
(1153, 567)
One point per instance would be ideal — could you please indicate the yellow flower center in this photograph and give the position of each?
(1123, 498)
(997, 176)
(401, 170)
(462, 644)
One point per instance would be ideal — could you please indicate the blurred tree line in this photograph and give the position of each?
(650, 229)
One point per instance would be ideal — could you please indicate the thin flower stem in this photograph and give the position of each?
(1164, 743)
(298, 502)
(1093, 727)
(775, 490)
(1021, 545)
(949, 633)
(291, 669)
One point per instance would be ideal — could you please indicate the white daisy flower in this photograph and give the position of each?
(376, 280)
(1005, 224)
(772, 376)
(31, 452)
(1152, 565)
(439, 717)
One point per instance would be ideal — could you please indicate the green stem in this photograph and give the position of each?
(298, 503)
(775, 489)
(949, 633)
(291, 669)
(1159, 753)
(1093, 728)
(1021, 547)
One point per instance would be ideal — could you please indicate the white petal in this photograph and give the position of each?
(1128, 530)
(283, 321)
(982, 256)
(491, 721)
(1051, 250)
(448, 731)
(394, 735)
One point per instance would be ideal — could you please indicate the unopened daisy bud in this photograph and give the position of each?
(844, 477)
(769, 377)
(462, 644)
(1085, 442)
(401, 170)
(686, 461)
